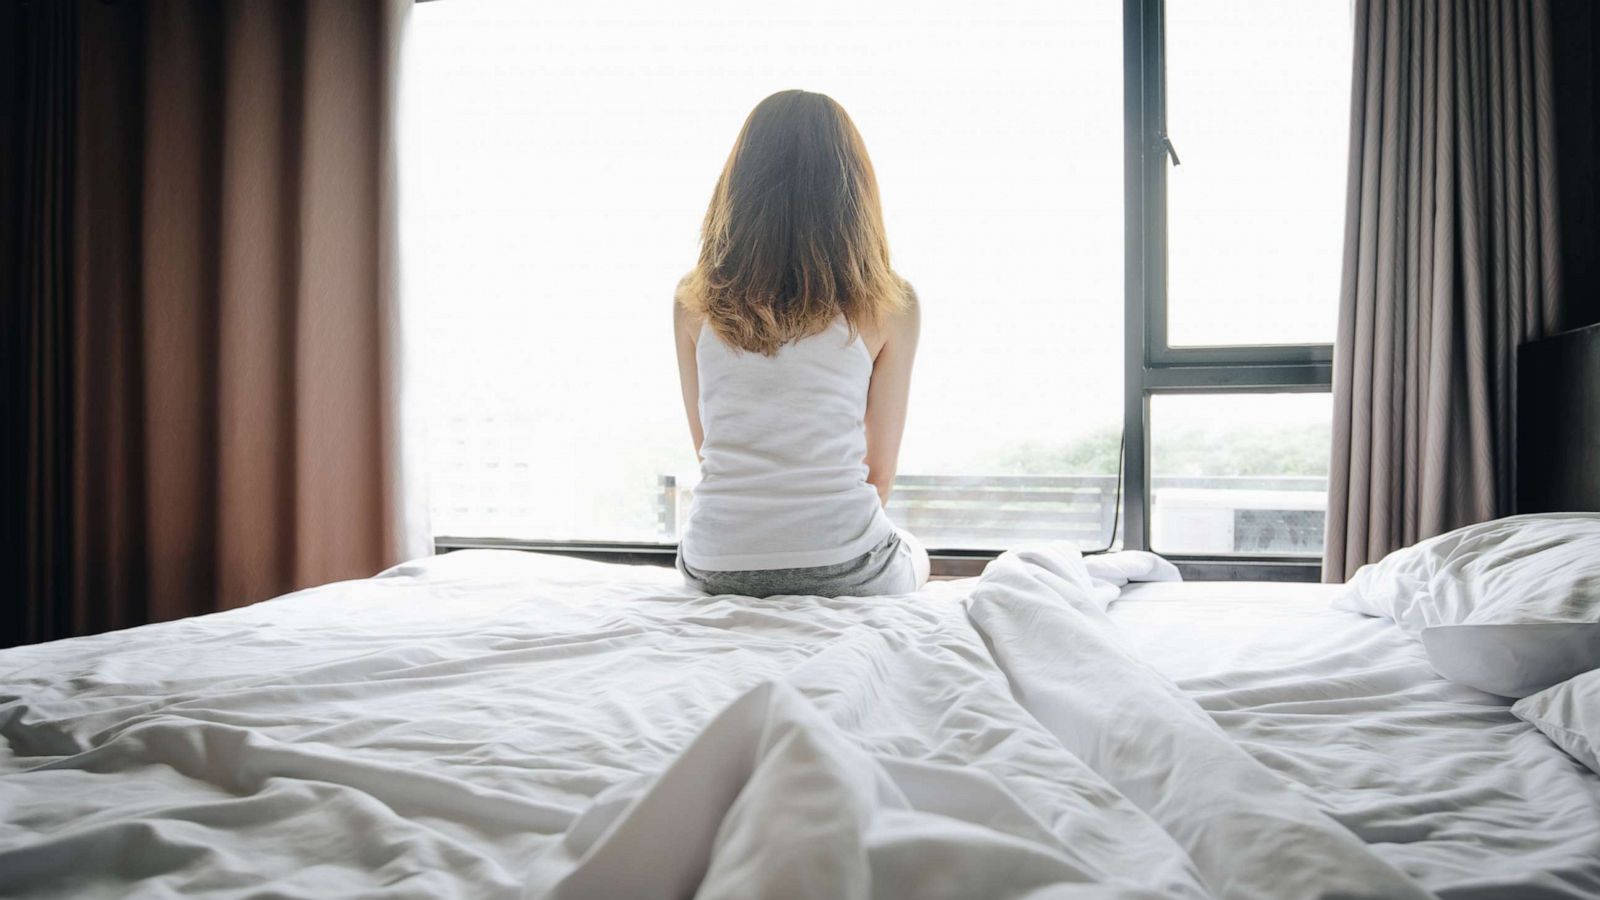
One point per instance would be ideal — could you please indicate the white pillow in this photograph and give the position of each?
(1512, 660)
(1535, 577)
(1568, 714)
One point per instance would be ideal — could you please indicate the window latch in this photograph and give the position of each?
(1166, 147)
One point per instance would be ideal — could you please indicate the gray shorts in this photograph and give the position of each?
(892, 567)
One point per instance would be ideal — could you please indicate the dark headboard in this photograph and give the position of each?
(1558, 423)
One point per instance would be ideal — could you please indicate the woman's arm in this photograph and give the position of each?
(686, 328)
(887, 396)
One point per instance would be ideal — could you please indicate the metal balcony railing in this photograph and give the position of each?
(1243, 514)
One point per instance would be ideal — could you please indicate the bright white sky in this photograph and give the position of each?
(557, 159)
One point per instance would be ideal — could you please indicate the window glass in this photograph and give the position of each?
(1258, 99)
(556, 161)
(1242, 474)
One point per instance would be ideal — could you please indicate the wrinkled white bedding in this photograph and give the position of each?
(1440, 779)
(499, 724)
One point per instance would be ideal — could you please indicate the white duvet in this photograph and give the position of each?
(503, 725)
(1440, 779)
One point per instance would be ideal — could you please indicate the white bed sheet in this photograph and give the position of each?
(499, 724)
(1440, 779)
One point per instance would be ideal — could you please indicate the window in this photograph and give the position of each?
(1239, 474)
(1258, 105)
(556, 161)
(1238, 113)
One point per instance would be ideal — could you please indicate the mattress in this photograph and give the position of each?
(1438, 778)
(496, 724)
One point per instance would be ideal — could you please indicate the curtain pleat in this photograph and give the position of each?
(208, 300)
(258, 248)
(1451, 260)
(338, 333)
(107, 562)
(47, 127)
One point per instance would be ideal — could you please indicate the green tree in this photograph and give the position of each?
(1220, 449)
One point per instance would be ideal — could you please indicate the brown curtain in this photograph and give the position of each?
(1451, 260)
(204, 245)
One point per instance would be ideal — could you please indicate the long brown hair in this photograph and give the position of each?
(794, 235)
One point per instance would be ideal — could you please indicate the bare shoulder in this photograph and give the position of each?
(913, 310)
(908, 320)
(685, 319)
(899, 328)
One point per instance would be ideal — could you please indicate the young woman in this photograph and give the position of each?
(795, 341)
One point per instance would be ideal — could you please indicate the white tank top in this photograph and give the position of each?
(783, 480)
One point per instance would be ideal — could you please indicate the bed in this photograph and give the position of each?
(492, 723)
(1439, 779)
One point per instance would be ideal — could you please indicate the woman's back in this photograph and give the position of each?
(783, 472)
(795, 339)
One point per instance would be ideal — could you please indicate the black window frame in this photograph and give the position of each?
(1152, 365)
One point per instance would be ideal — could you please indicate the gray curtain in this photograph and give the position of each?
(1451, 260)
